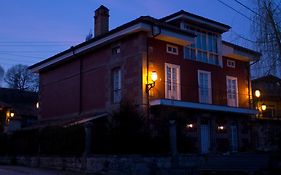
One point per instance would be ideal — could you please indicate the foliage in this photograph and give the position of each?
(19, 77)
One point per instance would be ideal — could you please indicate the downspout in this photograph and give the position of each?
(147, 65)
(80, 82)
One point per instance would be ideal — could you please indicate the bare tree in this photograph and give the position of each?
(267, 28)
(19, 77)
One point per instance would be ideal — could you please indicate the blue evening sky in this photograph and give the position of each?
(33, 30)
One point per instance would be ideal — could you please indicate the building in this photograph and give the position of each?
(17, 109)
(199, 76)
(268, 120)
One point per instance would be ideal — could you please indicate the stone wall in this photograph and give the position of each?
(147, 165)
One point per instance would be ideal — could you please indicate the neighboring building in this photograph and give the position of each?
(200, 77)
(268, 121)
(17, 109)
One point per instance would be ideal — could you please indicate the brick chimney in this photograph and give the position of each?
(101, 20)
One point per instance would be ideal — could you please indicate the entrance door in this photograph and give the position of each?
(205, 138)
(232, 91)
(234, 138)
(172, 81)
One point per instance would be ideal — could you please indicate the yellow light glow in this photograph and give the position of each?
(257, 93)
(154, 76)
(12, 114)
(263, 107)
(37, 105)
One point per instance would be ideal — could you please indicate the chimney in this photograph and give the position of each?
(101, 20)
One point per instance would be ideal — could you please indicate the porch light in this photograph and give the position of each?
(37, 105)
(12, 114)
(190, 125)
(220, 127)
(257, 93)
(153, 78)
(263, 107)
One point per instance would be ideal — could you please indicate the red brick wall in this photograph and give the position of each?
(60, 86)
(189, 73)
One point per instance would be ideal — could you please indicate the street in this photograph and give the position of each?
(19, 170)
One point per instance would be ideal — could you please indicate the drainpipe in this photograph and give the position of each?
(147, 65)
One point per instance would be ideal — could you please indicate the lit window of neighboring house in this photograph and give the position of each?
(116, 85)
(205, 48)
(172, 49)
(205, 86)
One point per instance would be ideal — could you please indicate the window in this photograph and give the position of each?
(205, 48)
(172, 49)
(116, 85)
(205, 88)
(116, 50)
(230, 63)
(172, 79)
(232, 91)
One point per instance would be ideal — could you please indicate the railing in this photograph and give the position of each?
(191, 93)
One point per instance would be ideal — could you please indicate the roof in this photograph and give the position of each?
(244, 49)
(267, 78)
(144, 19)
(195, 17)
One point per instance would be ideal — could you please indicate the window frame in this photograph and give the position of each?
(237, 90)
(172, 47)
(230, 63)
(116, 92)
(177, 67)
(210, 94)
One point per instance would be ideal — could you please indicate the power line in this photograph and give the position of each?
(235, 10)
(246, 7)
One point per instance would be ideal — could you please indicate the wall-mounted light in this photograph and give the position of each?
(220, 128)
(37, 105)
(12, 114)
(153, 78)
(263, 107)
(189, 125)
(257, 93)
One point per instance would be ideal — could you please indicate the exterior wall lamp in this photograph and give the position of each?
(263, 107)
(257, 93)
(153, 78)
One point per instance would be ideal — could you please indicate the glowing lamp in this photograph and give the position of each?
(257, 93)
(151, 85)
(189, 125)
(263, 107)
(12, 114)
(154, 76)
(220, 128)
(37, 105)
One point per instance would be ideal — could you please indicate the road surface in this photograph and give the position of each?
(18, 170)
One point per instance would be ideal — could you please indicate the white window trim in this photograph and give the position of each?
(119, 84)
(178, 78)
(209, 85)
(172, 46)
(230, 63)
(232, 78)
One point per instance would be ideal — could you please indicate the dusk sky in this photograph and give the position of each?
(33, 30)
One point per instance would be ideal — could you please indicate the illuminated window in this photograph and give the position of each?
(116, 85)
(172, 49)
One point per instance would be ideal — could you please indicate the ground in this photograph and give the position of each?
(18, 170)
